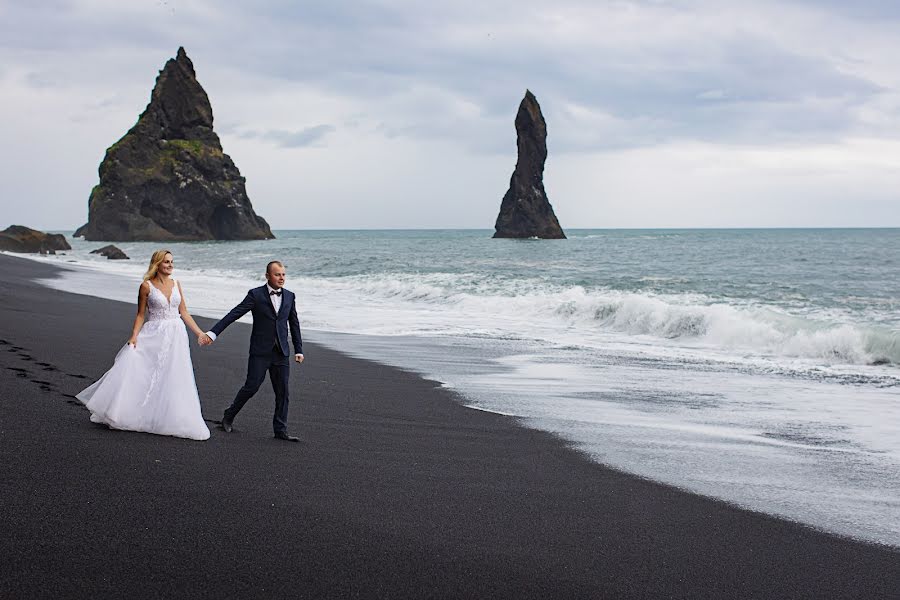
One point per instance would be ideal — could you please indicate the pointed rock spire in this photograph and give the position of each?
(168, 178)
(525, 211)
(178, 104)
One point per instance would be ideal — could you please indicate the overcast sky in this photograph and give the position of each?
(396, 114)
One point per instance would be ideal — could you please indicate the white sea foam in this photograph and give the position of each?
(455, 304)
(819, 452)
(479, 305)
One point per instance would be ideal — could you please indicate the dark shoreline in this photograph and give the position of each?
(396, 491)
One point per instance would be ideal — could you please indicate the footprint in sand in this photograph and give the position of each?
(71, 398)
(44, 385)
(19, 371)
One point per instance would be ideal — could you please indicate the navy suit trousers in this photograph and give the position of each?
(279, 368)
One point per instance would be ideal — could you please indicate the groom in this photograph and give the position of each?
(273, 312)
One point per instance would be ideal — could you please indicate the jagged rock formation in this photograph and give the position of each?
(111, 253)
(17, 238)
(525, 211)
(167, 178)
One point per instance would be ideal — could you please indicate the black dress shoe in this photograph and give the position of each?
(226, 424)
(282, 435)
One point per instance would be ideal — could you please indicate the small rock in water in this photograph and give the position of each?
(17, 238)
(111, 253)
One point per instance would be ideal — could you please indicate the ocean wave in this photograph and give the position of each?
(494, 305)
(691, 319)
(763, 329)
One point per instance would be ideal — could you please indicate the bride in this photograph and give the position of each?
(151, 385)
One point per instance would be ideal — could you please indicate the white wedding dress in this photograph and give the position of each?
(151, 387)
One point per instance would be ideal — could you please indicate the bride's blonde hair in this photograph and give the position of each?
(155, 261)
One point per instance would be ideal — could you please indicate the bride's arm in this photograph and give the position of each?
(143, 292)
(185, 315)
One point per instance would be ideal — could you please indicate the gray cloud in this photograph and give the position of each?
(290, 139)
(878, 10)
(374, 52)
(61, 25)
(40, 80)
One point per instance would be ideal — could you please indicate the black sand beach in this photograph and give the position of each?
(396, 491)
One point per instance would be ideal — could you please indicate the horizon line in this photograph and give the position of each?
(664, 228)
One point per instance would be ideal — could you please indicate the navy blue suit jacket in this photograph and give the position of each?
(267, 326)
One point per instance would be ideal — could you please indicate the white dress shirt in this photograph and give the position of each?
(276, 300)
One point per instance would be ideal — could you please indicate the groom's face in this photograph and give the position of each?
(275, 277)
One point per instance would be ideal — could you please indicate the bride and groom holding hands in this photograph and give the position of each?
(151, 385)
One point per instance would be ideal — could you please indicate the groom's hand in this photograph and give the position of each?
(204, 340)
(298, 358)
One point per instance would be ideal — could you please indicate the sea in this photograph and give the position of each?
(760, 367)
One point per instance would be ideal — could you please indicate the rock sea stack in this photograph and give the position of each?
(525, 211)
(168, 179)
(111, 253)
(17, 238)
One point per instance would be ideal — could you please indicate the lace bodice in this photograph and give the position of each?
(158, 308)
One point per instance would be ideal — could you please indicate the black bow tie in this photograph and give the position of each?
(275, 293)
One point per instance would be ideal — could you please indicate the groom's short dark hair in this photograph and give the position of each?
(274, 262)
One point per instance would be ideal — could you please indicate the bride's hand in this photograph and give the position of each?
(132, 342)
